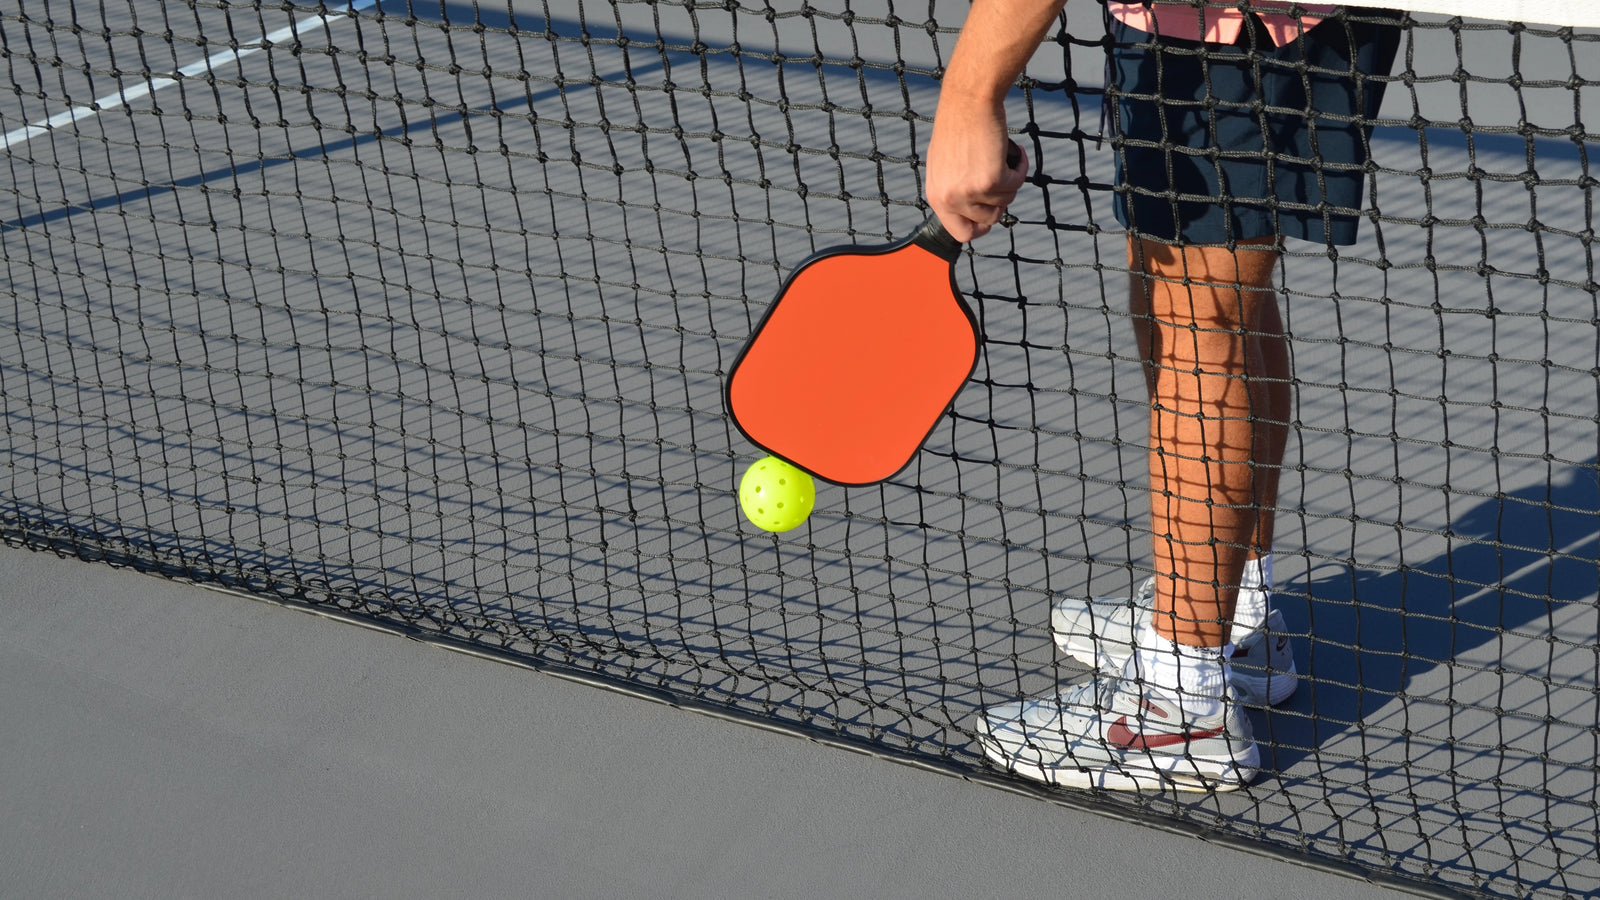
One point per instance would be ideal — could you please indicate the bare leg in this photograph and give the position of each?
(1217, 370)
(1272, 399)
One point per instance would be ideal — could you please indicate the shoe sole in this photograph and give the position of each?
(1194, 774)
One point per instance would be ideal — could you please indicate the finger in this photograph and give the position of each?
(996, 197)
(982, 215)
(1017, 166)
(962, 228)
(975, 230)
(1001, 192)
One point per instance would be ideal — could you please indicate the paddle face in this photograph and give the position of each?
(859, 356)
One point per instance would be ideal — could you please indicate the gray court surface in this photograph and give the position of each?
(426, 319)
(162, 740)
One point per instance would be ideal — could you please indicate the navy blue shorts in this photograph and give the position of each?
(1248, 140)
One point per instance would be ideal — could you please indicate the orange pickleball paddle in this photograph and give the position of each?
(859, 356)
(861, 353)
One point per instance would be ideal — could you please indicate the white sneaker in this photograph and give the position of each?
(1102, 632)
(1114, 733)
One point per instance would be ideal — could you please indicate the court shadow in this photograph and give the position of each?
(1370, 642)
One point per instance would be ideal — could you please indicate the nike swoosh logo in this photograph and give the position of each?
(1120, 735)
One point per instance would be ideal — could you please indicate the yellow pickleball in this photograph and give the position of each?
(776, 496)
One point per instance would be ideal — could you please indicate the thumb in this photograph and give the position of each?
(1016, 167)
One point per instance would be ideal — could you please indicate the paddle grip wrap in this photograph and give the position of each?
(933, 238)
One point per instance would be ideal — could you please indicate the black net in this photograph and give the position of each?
(423, 313)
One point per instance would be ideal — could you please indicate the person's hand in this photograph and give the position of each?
(969, 184)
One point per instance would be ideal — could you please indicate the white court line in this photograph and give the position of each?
(125, 95)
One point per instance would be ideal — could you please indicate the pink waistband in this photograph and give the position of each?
(1217, 24)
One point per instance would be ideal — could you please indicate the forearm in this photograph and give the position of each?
(996, 42)
(969, 183)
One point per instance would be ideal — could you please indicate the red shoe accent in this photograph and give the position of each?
(1120, 735)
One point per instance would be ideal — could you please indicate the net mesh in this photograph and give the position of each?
(422, 312)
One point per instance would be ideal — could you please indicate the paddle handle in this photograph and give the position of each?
(933, 238)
